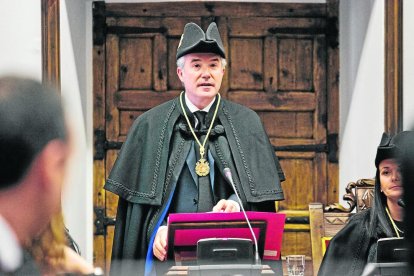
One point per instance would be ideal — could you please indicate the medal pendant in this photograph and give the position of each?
(202, 167)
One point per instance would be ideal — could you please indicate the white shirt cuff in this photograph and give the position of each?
(235, 204)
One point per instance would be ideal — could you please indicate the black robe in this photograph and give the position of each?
(149, 164)
(352, 248)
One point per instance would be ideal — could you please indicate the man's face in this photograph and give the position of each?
(202, 75)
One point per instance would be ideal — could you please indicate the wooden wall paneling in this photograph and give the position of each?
(320, 186)
(319, 85)
(160, 63)
(222, 24)
(263, 26)
(99, 104)
(295, 61)
(304, 64)
(99, 131)
(286, 61)
(316, 211)
(126, 119)
(201, 9)
(288, 124)
(142, 100)
(289, 141)
(174, 82)
(333, 99)
(247, 64)
(296, 236)
(112, 87)
(135, 61)
(393, 94)
(298, 187)
(111, 204)
(148, 24)
(108, 247)
(50, 20)
(270, 62)
(295, 242)
(280, 101)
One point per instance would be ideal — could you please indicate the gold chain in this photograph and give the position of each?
(396, 229)
(202, 167)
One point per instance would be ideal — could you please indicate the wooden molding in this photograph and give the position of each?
(333, 100)
(393, 121)
(51, 43)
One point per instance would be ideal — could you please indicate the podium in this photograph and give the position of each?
(227, 253)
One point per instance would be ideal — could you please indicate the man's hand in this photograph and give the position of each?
(160, 244)
(226, 206)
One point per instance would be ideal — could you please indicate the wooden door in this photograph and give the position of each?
(278, 60)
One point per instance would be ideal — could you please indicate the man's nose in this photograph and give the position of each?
(206, 73)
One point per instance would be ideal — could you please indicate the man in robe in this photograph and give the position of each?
(174, 157)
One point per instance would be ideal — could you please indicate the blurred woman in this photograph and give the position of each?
(56, 252)
(356, 244)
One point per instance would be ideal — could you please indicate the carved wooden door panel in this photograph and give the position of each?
(278, 60)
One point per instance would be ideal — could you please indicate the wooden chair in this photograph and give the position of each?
(326, 222)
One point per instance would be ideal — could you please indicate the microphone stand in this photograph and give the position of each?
(229, 177)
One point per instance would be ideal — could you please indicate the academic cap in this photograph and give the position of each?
(393, 147)
(194, 40)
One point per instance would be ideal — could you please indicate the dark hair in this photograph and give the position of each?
(379, 225)
(31, 116)
(390, 147)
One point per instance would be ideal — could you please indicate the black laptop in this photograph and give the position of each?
(392, 257)
(392, 250)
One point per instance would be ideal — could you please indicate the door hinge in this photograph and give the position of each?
(102, 221)
(331, 147)
(102, 145)
(99, 22)
(332, 32)
(303, 148)
(297, 220)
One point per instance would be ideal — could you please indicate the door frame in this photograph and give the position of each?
(50, 22)
(393, 89)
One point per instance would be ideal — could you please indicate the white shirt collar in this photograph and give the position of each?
(11, 253)
(194, 108)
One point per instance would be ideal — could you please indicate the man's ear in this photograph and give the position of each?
(180, 73)
(53, 159)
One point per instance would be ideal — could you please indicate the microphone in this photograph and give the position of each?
(229, 177)
(401, 202)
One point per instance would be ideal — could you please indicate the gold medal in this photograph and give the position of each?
(202, 167)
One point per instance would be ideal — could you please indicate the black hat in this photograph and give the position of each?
(194, 40)
(393, 147)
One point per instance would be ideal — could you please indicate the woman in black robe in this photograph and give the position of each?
(356, 244)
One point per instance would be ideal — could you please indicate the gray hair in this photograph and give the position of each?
(181, 61)
(31, 116)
